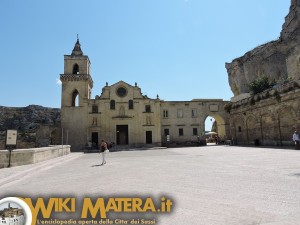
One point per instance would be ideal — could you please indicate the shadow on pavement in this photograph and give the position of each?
(97, 165)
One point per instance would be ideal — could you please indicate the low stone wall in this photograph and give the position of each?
(33, 155)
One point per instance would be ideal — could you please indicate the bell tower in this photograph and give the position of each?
(76, 80)
(77, 84)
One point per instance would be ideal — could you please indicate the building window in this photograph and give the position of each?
(195, 131)
(130, 104)
(179, 113)
(180, 131)
(166, 132)
(166, 114)
(148, 108)
(76, 69)
(121, 92)
(94, 109)
(112, 104)
(194, 113)
(75, 98)
(240, 129)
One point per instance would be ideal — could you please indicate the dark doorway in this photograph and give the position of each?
(148, 137)
(95, 139)
(122, 134)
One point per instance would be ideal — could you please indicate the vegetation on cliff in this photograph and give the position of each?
(260, 84)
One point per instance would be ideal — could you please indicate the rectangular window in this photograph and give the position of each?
(180, 131)
(195, 131)
(194, 113)
(167, 132)
(166, 113)
(94, 109)
(148, 108)
(112, 104)
(179, 113)
(130, 104)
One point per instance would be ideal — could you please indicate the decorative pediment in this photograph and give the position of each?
(121, 90)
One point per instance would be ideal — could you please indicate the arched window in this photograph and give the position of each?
(112, 104)
(130, 104)
(76, 69)
(75, 98)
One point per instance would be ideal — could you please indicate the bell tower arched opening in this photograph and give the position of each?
(75, 98)
(75, 69)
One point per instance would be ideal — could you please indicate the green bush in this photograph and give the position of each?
(260, 84)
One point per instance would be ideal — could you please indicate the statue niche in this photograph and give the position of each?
(122, 111)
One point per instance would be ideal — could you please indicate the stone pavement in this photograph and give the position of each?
(211, 185)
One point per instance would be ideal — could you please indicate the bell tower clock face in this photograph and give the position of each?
(121, 92)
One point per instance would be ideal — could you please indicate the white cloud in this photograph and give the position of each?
(58, 81)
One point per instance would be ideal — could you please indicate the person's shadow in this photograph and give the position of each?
(97, 165)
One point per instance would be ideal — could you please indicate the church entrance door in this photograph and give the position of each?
(148, 137)
(95, 139)
(122, 134)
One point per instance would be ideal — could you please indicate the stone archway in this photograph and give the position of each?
(268, 129)
(286, 124)
(253, 132)
(220, 122)
(239, 130)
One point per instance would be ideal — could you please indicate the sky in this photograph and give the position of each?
(12, 204)
(176, 49)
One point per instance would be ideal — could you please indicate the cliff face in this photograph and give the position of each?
(277, 60)
(36, 125)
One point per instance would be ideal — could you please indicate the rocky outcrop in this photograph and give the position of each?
(36, 125)
(278, 60)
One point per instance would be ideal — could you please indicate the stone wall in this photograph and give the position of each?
(29, 156)
(268, 118)
(192, 118)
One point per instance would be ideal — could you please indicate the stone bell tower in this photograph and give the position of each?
(77, 84)
(76, 80)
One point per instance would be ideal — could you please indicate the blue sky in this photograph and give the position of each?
(174, 48)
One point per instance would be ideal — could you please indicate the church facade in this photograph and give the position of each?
(123, 115)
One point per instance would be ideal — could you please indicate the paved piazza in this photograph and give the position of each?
(212, 185)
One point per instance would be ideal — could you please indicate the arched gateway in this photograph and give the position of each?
(123, 115)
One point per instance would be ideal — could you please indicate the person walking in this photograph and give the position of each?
(103, 150)
(296, 139)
